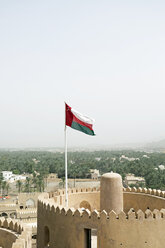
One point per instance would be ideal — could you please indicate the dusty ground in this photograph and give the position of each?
(53, 185)
(78, 183)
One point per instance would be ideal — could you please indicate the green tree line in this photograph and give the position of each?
(80, 163)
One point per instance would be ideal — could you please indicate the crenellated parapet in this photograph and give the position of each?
(143, 198)
(138, 190)
(14, 234)
(73, 222)
(149, 191)
(61, 192)
(8, 208)
(154, 192)
(28, 213)
(137, 198)
(11, 224)
(77, 197)
(141, 222)
(96, 215)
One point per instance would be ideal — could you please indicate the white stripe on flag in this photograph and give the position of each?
(82, 117)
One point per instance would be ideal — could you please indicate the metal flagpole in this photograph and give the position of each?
(66, 170)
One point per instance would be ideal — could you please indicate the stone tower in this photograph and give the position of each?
(111, 193)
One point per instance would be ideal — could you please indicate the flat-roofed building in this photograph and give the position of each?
(132, 179)
(95, 174)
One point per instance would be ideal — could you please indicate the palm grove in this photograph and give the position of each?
(79, 165)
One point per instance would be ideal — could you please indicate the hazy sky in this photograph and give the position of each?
(104, 58)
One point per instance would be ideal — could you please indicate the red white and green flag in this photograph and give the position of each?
(78, 121)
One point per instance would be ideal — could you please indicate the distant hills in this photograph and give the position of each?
(157, 146)
(160, 145)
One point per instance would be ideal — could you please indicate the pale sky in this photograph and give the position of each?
(106, 59)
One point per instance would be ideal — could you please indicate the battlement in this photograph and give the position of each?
(18, 236)
(8, 205)
(73, 191)
(26, 213)
(28, 210)
(53, 205)
(30, 220)
(75, 221)
(118, 217)
(137, 198)
(11, 224)
(148, 191)
(96, 215)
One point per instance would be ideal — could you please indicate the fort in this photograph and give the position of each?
(107, 217)
(134, 217)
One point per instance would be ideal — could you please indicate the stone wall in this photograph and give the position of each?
(24, 197)
(137, 198)
(14, 235)
(143, 199)
(28, 213)
(77, 196)
(8, 209)
(60, 227)
(7, 238)
(24, 201)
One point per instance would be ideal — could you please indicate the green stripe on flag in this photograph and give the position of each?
(82, 128)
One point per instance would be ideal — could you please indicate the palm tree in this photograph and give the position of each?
(19, 185)
(1, 179)
(40, 183)
(34, 181)
(3, 187)
(7, 188)
(62, 182)
(45, 175)
(27, 185)
(0, 187)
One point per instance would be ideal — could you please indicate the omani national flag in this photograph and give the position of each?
(78, 121)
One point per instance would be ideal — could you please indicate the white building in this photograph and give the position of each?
(129, 159)
(9, 176)
(16, 178)
(132, 179)
(161, 167)
(145, 156)
(95, 174)
(97, 159)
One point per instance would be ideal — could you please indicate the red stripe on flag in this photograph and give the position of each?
(75, 119)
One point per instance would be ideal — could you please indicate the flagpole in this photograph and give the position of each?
(66, 170)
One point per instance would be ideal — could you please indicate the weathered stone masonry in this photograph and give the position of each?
(140, 224)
